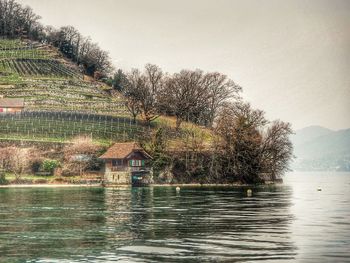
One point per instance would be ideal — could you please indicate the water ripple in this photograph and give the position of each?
(285, 223)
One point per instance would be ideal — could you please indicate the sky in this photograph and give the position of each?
(291, 57)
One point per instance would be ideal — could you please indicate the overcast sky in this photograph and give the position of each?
(292, 58)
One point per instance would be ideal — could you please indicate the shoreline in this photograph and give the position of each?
(48, 185)
(126, 186)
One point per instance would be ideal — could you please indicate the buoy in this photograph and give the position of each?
(319, 189)
(177, 189)
(249, 192)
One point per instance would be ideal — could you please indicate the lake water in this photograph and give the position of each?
(289, 223)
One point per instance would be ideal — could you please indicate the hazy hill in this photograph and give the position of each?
(318, 148)
(308, 134)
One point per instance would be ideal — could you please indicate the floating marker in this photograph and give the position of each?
(249, 192)
(177, 189)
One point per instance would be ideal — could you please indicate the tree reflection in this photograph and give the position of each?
(156, 223)
(220, 222)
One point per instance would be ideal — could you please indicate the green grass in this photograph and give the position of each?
(12, 78)
(11, 43)
(12, 177)
(55, 127)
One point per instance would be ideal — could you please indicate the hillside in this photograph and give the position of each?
(59, 103)
(56, 118)
(320, 148)
(308, 134)
(47, 81)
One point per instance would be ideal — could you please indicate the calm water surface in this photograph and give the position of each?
(288, 223)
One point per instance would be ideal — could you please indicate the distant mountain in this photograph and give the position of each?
(308, 134)
(319, 148)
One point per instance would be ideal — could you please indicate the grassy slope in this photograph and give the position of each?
(52, 86)
(47, 81)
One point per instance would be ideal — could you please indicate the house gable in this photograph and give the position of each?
(125, 151)
(138, 155)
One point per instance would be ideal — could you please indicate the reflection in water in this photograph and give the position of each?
(146, 224)
(211, 223)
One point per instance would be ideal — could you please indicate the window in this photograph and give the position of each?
(117, 162)
(136, 162)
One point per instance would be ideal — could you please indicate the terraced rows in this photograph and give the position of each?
(25, 53)
(48, 84)
(59, 104)
(65, 95)
(32, 59)
(36, 67)
(11, 44)
(62, 126)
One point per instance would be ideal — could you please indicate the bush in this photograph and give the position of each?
(2, 177)
(35, 165)
(80, 156)
(49, 165)
(67, 172)
(40, 181)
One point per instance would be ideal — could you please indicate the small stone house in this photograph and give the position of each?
(126, 164)
(11, 105)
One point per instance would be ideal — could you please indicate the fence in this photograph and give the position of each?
(62, 126)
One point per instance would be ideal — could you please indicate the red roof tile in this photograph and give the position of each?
(122, 150)
(11, 103)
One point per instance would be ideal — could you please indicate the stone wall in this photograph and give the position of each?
(121, 177)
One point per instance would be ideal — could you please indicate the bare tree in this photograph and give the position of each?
(142, 90)
(5, 161)
(70, 41)
(277, 149)
(131, 90)
(196, 96)
(16, 20)
(239, 127)
(15, 160)
(81, 50)
(248, 147)
(79, 155)
(151, 85)
(184, 95)
(220, 90)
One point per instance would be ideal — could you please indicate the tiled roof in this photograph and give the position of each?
(122, 150)
(12, 103)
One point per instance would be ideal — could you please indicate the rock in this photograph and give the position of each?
(166, 176)
(249, 192)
